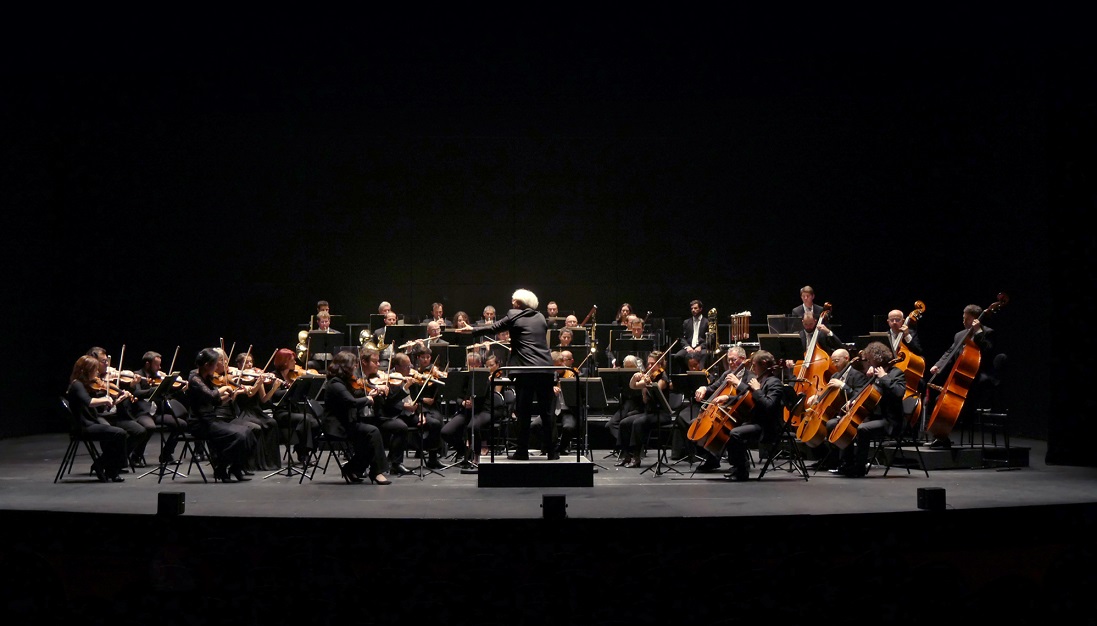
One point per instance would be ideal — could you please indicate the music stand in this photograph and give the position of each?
(787, 347)
(687, 383)
(623, 346)
(468, 384)
(594, 397)
(400, 334)
(864, 340)
(661, 465)
(324, 342)
(376, 320)
(302, 389)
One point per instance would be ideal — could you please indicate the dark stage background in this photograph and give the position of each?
(171, 185)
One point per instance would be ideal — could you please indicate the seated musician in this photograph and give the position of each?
(488, 316)
(343, 416)
(379, 340)
(299, 425)
(635, 330)
(886, 417)
(693, 351)
(634, 429)
(849, 381)
(413, 407)
(121, 414)
(552, 315)
(437, 314)
(259, 387)
(825, 338)
(568, 416)
(472, 418)
(900, 335)
(88, 396)
(391, 408)
(150, 400)
(733, 383)
(230, 445)
(628, 405)
(319, 360)
(765, 418)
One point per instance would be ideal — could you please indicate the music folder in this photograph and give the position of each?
(324, 342)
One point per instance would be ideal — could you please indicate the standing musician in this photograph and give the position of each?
(230, 445)
(635, 428)
(120, 414)
(146, 384)
(886, 417)
(733, 383)
(344, 412)
(981, 336)
(88, 395)
(765, 418)
(900, 335)
(529, 348)
(694, 340)
(849, 381)
(807, 304)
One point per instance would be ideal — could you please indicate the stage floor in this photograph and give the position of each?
(30, 463)
(1011, 547)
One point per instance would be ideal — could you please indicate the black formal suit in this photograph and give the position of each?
(816, 310)
(979, 386)
(688, 326)
(885, 419)
(829, 343)
(897, 341)
(764, 425)
(528, 348)
(722, 387)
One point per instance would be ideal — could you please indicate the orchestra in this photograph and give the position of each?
(821, 389)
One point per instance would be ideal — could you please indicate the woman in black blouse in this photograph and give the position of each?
(231, 445)
(344, 417)
(87, 394)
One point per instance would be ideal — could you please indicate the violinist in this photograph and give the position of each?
(87, 397)
(733, 383)
(344, 413)
(120, 413)
(567, 419)
(885, 418)
(635, 428)
(259, 387)
(528, 337)
(765, 418)
(146, 385)
(848, 381)
(230, 444)
(472, 413)
(388, 403)
(297, 425)
(630, 403)
(981, 336)
(402, 404)
(423, 387)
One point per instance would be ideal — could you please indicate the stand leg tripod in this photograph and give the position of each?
(418, 429)
(662, 465)
(786, 445)
(289, 470)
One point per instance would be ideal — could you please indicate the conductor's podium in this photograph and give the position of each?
(567, 471)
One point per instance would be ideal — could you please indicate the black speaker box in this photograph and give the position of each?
(170, 503)
(931, 498)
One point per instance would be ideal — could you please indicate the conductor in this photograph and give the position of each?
(528, 348)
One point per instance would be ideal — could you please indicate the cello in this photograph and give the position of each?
(950, 401)
(812, 430)
(860, 408)
(705, 430)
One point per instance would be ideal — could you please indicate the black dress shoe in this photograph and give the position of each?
(221, 474)
(738, 476)
(433, 462)
(238, 474)
(400, 470)
(138, 461)
(166, 457)
(940, 444)
(554, 456)
(623, 461)
(708, 466)
(117, 479)
(519, 456)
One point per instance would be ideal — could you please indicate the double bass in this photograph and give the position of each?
(815, 370)
(953, 394)
(913, 367)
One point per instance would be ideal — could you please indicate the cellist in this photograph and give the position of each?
(732, 384)
(981, 337)
(885, 418)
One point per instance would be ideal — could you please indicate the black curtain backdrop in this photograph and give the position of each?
(178, 185)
